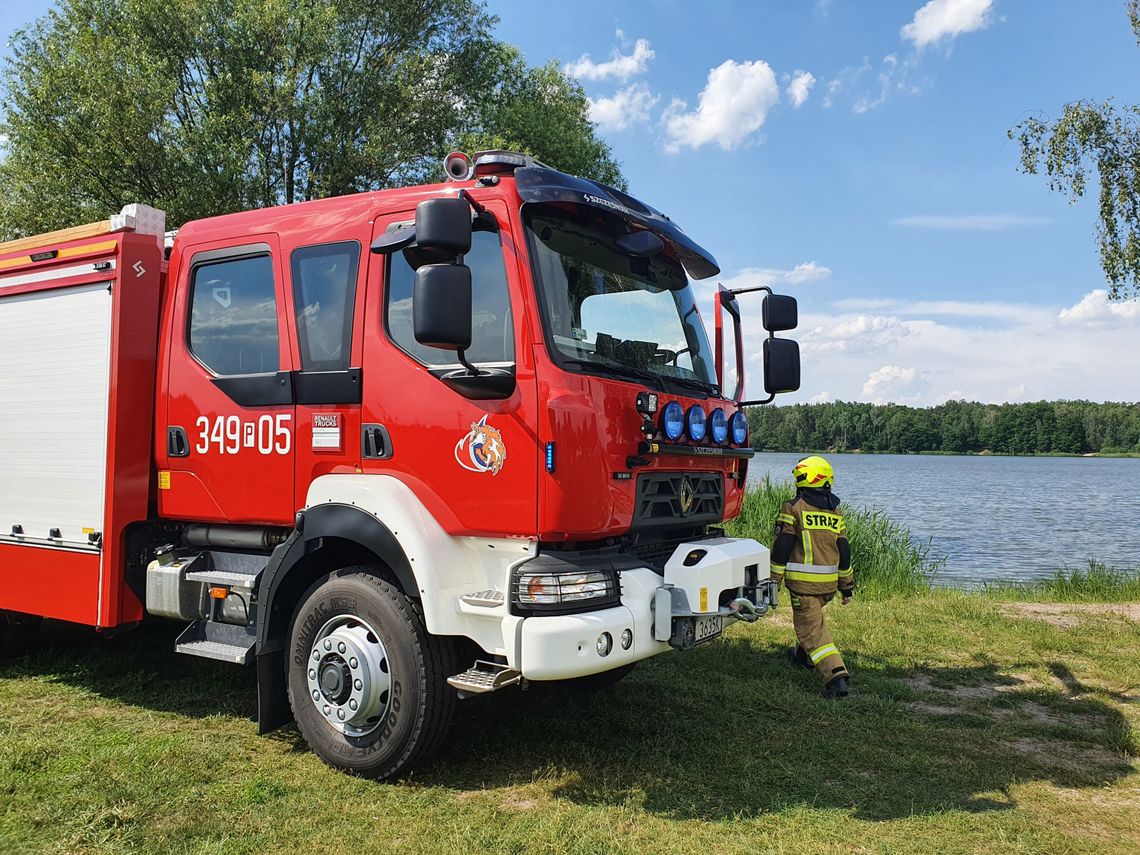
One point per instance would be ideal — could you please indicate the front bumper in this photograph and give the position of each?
(658, 613)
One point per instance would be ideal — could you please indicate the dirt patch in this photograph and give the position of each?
(1069, 615)
(1063, 755)
(936, 709)
(982, 692)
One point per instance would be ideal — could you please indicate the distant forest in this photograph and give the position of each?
(1065, 427)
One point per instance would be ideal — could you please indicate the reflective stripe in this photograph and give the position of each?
(793, 576)
(818, 569)
(780, 567)
(807, 546)
(850, 571)
(823, 652)
(787, 519)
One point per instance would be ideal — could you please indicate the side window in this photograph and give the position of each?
(324, 293)
(492, 328)
(233, 316)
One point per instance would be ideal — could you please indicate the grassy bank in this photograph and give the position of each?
(1096, 583)
(974, 728)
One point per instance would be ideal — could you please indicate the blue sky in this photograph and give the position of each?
(880, 189)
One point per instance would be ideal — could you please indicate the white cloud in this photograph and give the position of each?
(970, 222)
(733, 105)
(803, 273)
(1096, 310)
(620, 66)
(860, 334)
(800, 87)
(628, 106)
(986, 351)
(821, 398)
(945, 19)
(893, 75)
(892, 384)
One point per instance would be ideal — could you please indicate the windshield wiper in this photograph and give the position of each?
(708, 388)
(619, 370)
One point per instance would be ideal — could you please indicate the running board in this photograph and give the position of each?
(484, 677)
(225, 642)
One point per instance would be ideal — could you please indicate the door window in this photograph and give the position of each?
(324, 293)
(492, 329)
(233, 316)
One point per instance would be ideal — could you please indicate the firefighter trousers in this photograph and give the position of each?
(813, 637)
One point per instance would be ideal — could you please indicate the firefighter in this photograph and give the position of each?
(812, 556)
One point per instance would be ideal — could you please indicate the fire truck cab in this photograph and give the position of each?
(394, 449)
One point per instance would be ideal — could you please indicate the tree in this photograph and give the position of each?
(1102, 138)
(203, 107)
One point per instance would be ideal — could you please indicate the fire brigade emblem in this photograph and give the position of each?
(482, 449)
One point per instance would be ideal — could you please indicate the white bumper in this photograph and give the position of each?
(565, 646)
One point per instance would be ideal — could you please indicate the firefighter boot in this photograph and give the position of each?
(836, 688)
(797, 657)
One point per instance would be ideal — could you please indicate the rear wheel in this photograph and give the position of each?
(367, 682)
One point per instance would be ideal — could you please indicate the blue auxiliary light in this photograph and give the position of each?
(695, 423)
(718, 426)
(672, 421)
(550, 457)
(739, 428)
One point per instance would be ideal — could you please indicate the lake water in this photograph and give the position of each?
(995, 517)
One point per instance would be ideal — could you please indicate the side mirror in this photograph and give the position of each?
(444, 224)
(442, 229)
(441, 304)
(781, 365)
(780, 313)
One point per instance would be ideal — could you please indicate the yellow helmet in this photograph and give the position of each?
(813, 473)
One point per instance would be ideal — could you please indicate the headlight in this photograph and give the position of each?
(739, 428)
(672, 420)
(718, 426)
(575, 588)
(695, 422)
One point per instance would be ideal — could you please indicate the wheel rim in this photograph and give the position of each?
(348, 675)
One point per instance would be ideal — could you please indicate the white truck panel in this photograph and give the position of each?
(55, 349)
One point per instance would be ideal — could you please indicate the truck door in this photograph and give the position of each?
(230, 414)
(323, 284)
(472, 461)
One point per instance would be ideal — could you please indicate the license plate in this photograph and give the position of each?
(707, 627)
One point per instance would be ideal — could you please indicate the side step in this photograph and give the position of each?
(484, 677)
(221, 634)
(225, 642)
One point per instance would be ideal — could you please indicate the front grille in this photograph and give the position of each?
(678, 498)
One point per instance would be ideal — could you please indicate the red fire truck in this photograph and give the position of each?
(396, 449)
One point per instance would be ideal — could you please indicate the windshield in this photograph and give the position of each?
(608, 312)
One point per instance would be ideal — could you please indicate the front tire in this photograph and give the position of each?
(367, 682)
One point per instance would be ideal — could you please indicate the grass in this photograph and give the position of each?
(1094, 584)
(977, 724)
(973, 729)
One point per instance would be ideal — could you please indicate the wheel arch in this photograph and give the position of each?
(327, 537)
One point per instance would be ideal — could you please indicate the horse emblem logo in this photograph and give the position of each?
(482, 449)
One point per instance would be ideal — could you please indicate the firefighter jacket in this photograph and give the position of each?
(811, 552)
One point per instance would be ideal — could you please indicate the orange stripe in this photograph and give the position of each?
(69, 252)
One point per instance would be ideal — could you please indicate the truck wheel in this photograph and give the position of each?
(367, 682)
